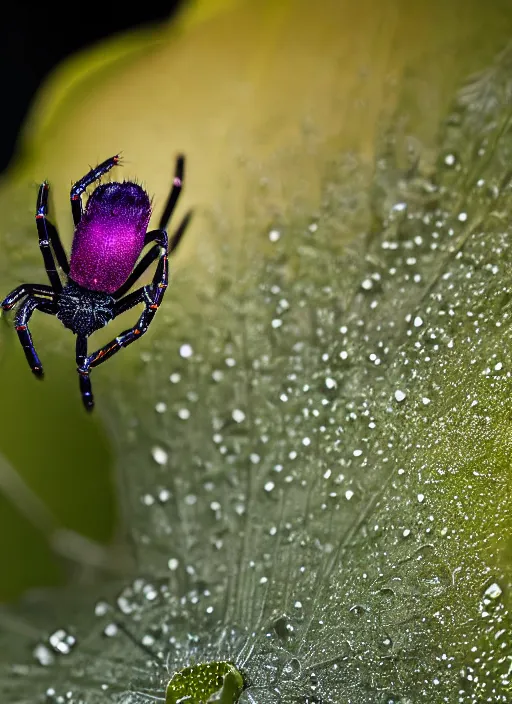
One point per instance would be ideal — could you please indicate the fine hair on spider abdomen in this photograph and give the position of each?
(110, 236)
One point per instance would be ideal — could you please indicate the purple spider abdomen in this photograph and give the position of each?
(110, 236)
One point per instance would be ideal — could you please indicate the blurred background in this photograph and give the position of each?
(32, 43)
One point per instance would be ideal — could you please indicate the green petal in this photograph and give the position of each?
(313, 438)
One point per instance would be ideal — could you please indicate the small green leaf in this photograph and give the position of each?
(206, 683)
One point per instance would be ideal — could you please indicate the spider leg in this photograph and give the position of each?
(151, 296)
(83, 375)
(45, 238)
(179, 232)
(79, 187)
(21, 324)
(50, 231)
(133, 299)
(127, 336)
(25, 290)
(177, 184)
(158, 250)
(160, 237)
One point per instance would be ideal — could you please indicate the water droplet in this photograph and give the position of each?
(238, 415)
(292, 669)
(111, 630)
(62, 641)
(186, 351)
(43, 655)
(283, 627)
(159, 455)
(493, 591)
(101, 608)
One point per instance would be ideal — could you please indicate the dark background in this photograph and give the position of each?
(34, 39)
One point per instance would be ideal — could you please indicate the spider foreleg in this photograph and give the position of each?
(25, 290)
(79, 187)
(43, 231)
(48, 232)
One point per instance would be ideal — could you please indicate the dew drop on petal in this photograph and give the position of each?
(186, 351)
(159, 455)
(493, 591)
(238, 415)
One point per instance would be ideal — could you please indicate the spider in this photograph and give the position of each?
(110, 234)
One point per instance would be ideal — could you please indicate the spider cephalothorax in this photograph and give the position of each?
(110, 235)
(83, 311)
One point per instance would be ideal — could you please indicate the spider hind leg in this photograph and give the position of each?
(151, 296)
(83, 373)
